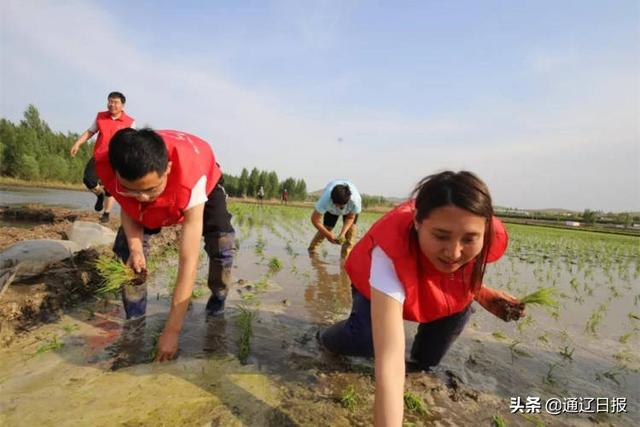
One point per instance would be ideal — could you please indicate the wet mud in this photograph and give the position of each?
(75, 360)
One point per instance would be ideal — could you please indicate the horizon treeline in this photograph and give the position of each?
(248, 184)
(30, 150)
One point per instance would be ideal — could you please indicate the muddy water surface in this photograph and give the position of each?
(92, 368)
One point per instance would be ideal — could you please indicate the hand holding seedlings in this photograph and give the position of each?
(137, 261)
(501, 304)
(115, 274)
(340, 240)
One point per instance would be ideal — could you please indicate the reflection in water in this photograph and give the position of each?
(331, 294)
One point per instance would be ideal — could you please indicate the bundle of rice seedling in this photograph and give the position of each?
(115, 274)
(543, 296)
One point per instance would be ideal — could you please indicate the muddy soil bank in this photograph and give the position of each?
(29, 302)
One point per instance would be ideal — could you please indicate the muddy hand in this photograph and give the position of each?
(501, 304)
(167, 346)
(137, 261)
(507, 307)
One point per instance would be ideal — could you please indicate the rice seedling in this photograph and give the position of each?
(611, 375)
(340, 240)
(524, 323)
(70, 327)
(499, 335)
(348, 399)
(498, 421)
(566, 352)
(516, 352)
(595, 319)
(115, 274)
(51, 345)
(413, 403)
(244, 321)
(543, 296)
(623, 356)
(634, 316)
(197, 292)
(544, 338)
(275, 265)
(262, 284)
(625, 338)
(249, 297)
(151, 356)
(549, 378)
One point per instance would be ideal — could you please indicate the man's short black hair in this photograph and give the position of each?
(120, 95)
(136, 153)
(340, 195)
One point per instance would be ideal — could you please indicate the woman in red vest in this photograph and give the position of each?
(424, 261)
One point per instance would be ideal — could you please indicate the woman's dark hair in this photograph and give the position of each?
(136, 153)
(117, 95)
(466, 191)
(340, 195)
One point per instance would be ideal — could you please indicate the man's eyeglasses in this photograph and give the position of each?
(145, 194)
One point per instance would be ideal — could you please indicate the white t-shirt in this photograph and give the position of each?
(94, 126)
(198, 193)
(383, 275)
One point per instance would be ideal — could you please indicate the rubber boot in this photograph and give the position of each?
(315, 242)
(221, 248)
(349, 241)
(134, 298)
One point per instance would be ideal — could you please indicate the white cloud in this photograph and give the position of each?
(559, 150)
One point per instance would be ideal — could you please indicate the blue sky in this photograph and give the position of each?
(541, 99)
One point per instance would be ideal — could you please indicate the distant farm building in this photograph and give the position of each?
(572, 223)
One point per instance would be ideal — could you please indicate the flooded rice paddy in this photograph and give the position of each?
(260, 364)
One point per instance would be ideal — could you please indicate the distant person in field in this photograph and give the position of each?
(105, 124)
(339, 198)
(424, 261)
(285, 196)
(161, 179)
(261, 194)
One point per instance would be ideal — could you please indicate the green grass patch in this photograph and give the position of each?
(413, 403)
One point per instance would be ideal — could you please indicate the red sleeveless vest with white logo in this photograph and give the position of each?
(107, 127)
(429, 293)
(190, 157)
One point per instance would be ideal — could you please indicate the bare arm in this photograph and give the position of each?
(316, 220)
(86, 135)
(388, 344)
(346, 224)
(134, 233)
(187, 265)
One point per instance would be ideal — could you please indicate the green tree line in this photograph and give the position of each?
(30, 150)
(248, 184)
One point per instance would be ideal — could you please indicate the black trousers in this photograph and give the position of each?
(354, 337)
(219, 238)
(90, 177)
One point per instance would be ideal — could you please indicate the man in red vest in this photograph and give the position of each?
(106, 124)
(160, 179)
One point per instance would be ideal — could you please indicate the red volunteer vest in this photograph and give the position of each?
(190, 157)
(429, 294)
(107, 127)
